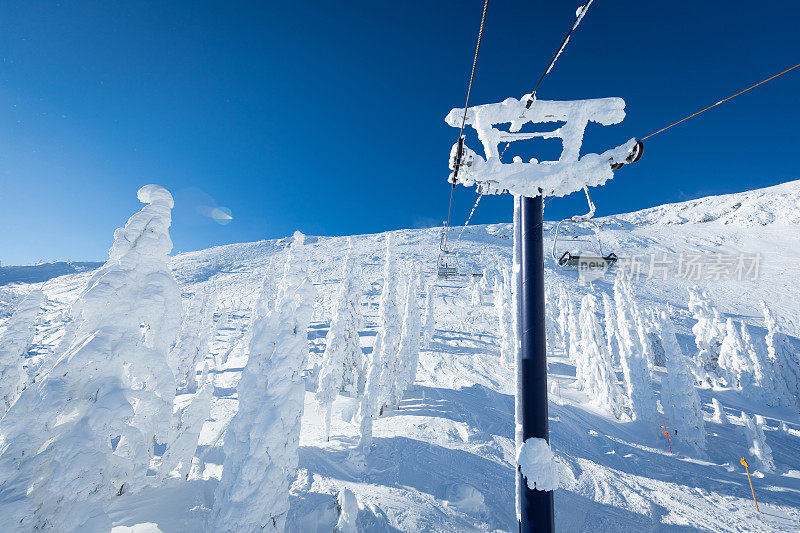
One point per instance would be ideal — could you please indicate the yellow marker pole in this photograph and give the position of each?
(746, 467)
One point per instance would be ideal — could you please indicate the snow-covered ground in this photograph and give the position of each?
(444, 461)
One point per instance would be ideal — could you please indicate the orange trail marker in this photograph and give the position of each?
(747, 467)
(669, 437)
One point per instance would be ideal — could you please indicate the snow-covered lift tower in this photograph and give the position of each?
(529, 182)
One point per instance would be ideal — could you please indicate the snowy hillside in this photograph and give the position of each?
(444, 460)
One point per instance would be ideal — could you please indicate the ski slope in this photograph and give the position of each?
(445, 460)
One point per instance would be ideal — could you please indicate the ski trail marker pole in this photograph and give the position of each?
(747, 467)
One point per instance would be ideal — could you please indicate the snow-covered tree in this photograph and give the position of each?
(14, 344)
(734, 361)
(681, 401)
(759, 450)
(347, 507)
(635, 367)
(408, 353)
(430, 315)
(187, 424)
(193, 341)
(505, 317)
(262, 439)
(563, 317)
(709, 331)
(342, 362)
(597, 377)
(85, 433)
(574, 349)
(718, 415)
(610, 326)
(785, 361)
(477, 293)
(224, 318)
(654, 338)
(763, 386)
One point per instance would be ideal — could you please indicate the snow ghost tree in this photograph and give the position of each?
(764, 386)
(734, 362)
(757, 442)
(563, 317)
(718, 415)
(408, 353)
(681, 402)
(430, 316)
(635, 367)
(573, 334)
(597, 377)
(785, 362)
(193, 341)
(342, 363)
(610, 324)
(14, 344)
(382, 362)
(477, 294)
(262, 439)
(708, 333)
(505, 317)
(85, 433)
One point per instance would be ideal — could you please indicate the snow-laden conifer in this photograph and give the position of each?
(85, 433)
(734, 362)
(610, 328)
(718, 415)
(503, 306)
(187, 424)
(563, 317)
(573, 333)
(387, 340)
(408, 354)
(709, 331)
(193, 341)
(342, 362)
(14, 343)
(635, 367)
(785, 361)
(262, 438)
(430, 315)
(763, 386)
(760, 451)
(597, 377)
(681, 401)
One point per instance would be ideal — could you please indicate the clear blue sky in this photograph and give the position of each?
(328, 116)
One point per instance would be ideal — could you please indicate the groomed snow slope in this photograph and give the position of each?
(445, 460)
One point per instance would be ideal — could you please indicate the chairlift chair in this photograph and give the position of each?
(577, 244)
(447, 262)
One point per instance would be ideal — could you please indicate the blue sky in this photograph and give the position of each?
(328, 116)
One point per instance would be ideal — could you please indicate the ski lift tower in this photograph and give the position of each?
(530, 182)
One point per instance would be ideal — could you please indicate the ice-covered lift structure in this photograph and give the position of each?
(529, 182)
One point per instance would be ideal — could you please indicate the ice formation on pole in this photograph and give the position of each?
(681, 402)
(635, 367)
(187, 424)
(342, 362)
(570, 173)
(14, 343)
(430, 315)
(85, 433)
(598, 379)
(408, 353)
(709, 330)
(262, 439)
(537, 463)
(785, 363)
(757, 442)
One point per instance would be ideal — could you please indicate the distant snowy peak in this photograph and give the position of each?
(778, 205)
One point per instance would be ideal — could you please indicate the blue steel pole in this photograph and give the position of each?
(536, 511)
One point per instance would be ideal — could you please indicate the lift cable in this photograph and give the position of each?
(721, 101)
(460, 148)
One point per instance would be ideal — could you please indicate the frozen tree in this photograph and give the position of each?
(552, 332)
(505, 317)
(785, 362)
(477, 294)
(719, 415)
(635, 367)
(757, 442)
(734, 361)
(193, 341)
(85, 433)
(610, 324)
(708, 333)
(342, 362)
(681, 402)
(408, 353)
(262, 439)
(430, 316)
(222, 321)
(347, 507)
(14, 344)
(764, 386)
(573, 334)
(187, 424)
(597, 377)
(563, 317)
(654, 338)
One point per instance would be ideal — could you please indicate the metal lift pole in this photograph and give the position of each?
(537, 514)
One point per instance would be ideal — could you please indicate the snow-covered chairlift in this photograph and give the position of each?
(577, 244)
(447, 262)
